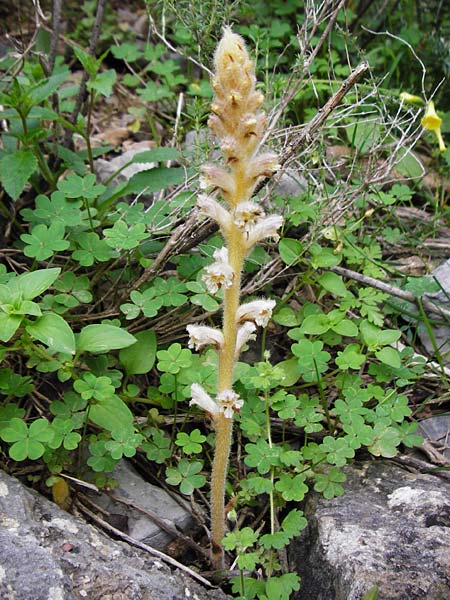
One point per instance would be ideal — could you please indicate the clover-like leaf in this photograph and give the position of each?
(76, 186)
(292, 487)
(43, 241)
(190, 442)
(28, 442)
(186, 475)
(174, 359)
(328, 483)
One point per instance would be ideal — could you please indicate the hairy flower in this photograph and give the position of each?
(201, 336)
(229, 402)
(257, 311)
(247, 214)
(204, 400)
(216, 177)
(211, 208)
(245, 332)
(219, 273)
(263, 165)
(265, 228)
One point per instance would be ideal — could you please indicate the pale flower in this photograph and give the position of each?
(201, 336)
(229, 402)
(263, 165)
(211, 208)
(247, 214)
(216, 177)
(265, 228)
(204, 400)
(257, 311)
(220, 273)
(245, 332)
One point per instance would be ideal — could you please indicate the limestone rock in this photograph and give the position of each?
(132, 487)
(391, 528)
(47, 554)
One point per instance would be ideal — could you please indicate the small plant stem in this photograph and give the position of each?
(223, 425)
(88, 131)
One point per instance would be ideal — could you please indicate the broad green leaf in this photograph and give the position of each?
(156, 155)
(53, 331)
(292, 371)
(333, 283)
(32, 284)
(154, 180)
(111, 414)
(9, 325)
(389, 356)
(102, 338)
(140, 357)
(15, 170)
(290, 250)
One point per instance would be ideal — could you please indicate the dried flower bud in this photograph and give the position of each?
(201, 336)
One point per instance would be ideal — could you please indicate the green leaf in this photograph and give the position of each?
(154, 180)
(290, 250)
(315, 324)
(32, 284)
(9, 325)
(281, 587)
(139, 358)
(350, 358)
(111, 414)
(15, 170)
(103, 82)
(53, 331)
(174, 359)
(372, 594)
(156, 155)
(43, 242)
(389, 356)
(192, 442)
(334, 284)
(102, 338)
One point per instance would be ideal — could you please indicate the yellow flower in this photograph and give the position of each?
(432, 122)
(410, 98)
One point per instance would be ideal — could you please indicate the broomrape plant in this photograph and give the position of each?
(238, 123)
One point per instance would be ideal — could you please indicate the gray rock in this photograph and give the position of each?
(391, 528)
(132, 487)
(290, 184)
(106, 168)
(441, 333)
(437, 430)
(47, 554)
